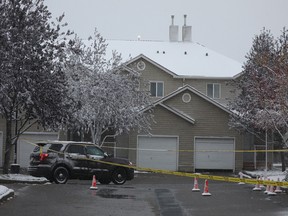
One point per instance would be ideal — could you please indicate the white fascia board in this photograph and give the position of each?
(203, 77)
(152, 62)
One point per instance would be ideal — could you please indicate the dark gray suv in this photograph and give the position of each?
(59, 161)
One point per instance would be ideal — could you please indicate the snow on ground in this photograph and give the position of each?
(273, 175)
(21, 177)
(4, 191)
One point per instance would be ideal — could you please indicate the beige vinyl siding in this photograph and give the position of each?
(122, 143)
(153, 73)
(201, 85)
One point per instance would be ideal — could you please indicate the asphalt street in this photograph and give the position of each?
(148, 194)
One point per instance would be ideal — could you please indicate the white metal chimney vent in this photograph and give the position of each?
(186, 31)
(173, 31)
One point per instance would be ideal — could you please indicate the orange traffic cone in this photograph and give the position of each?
(206, 191)
(196, 187)
(257, 187)
(278, 189)
(94, 183)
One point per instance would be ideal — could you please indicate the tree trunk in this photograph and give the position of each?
(96, 135)
(8, 146)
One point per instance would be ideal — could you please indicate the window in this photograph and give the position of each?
(213, 90)
(156, 89)
(47, 147)
(55, 148)
(93, 150)
(76, 149)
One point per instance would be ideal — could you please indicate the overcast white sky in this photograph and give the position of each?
(225, 26)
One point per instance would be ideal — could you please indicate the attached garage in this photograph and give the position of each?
(25, 145)
(214, 153)
(158, 152)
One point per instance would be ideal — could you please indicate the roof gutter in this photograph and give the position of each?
(201, 77)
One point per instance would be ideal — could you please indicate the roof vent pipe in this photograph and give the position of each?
(173, 31)
(185, 16)
(186, 31)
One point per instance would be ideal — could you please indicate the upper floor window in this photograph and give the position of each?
(157, 89)
(213, 90)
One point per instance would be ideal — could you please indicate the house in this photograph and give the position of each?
(189, 86)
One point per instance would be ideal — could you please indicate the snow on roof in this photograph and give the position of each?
(186, 59)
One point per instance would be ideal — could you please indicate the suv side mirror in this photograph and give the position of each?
(108, 155)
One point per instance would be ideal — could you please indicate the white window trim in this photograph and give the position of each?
(214, 90)
(156, 88)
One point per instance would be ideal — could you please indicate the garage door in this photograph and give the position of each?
(25, 147)
(214, 153)
(157, 152)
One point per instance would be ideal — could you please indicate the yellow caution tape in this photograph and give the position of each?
(192, 175)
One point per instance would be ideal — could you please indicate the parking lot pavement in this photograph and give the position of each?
(226, 198)
(148, 194)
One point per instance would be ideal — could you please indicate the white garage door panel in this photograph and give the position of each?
(214, 153)
(157, 153)
(25, 146)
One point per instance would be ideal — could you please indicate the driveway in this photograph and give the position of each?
(147, 194)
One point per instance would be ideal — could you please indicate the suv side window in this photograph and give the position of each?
(93, 150)
(55, 148)
(76, 149)
(47, 147)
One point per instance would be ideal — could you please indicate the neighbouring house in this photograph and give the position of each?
(25, 144)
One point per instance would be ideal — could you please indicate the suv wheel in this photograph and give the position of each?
(60, 175)
(119, 176)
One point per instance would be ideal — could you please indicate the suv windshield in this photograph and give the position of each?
(48, 147)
